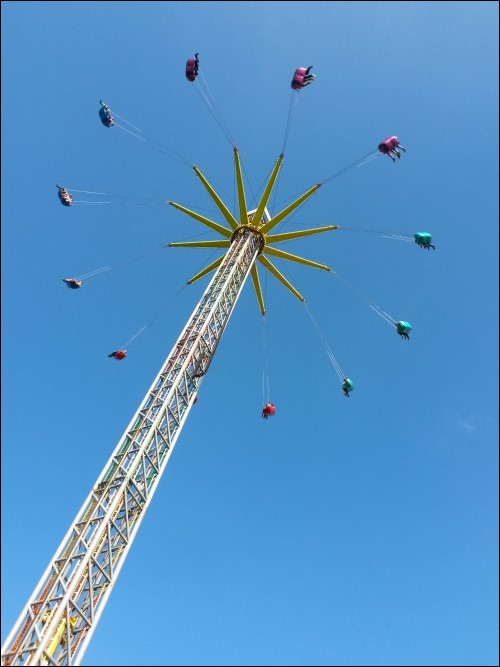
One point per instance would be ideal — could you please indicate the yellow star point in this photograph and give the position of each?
(260, 222)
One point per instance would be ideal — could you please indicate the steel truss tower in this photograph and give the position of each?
(60, 617)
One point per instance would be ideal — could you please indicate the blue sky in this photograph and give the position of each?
(339, 532)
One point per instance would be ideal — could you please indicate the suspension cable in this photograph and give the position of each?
(155, 145)
(118, 200)
(331, 356)
(206, 95)
(105, 269)
(91, 274)
(377, 309)
(397, 236)
(162, 310)
(293, 103)
(265, 365)
(359, 163)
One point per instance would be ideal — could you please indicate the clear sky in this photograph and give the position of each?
(339, 532)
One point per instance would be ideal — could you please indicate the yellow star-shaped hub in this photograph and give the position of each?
(257, 221)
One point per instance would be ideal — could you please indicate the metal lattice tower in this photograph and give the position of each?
(61, 615)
